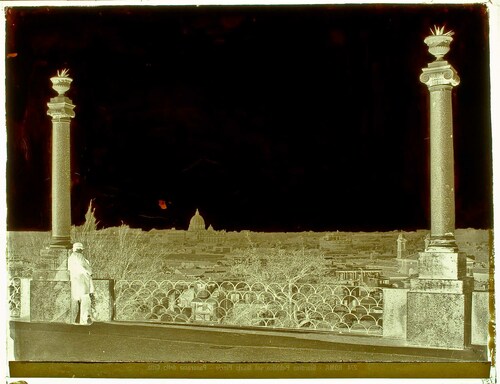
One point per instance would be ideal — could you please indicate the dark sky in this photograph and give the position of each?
(278, 118)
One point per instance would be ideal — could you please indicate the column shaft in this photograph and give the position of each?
(442, 163)
(61, 184)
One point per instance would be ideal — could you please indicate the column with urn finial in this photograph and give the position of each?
(439, 299)
(50, 287)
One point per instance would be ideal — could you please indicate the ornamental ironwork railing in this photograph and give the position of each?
(15, 297)
(327, 307)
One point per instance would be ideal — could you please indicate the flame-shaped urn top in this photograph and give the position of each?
(61, 82)
(439, 42)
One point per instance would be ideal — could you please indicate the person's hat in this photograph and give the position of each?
(77, 246)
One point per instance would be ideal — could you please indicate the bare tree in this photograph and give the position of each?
(281, 265)
(280, 272)
(119, 252)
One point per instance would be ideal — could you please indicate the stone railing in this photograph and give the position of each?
(353, 309)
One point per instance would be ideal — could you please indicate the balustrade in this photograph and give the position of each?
(296, 306)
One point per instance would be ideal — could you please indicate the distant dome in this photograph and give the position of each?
(197, 222)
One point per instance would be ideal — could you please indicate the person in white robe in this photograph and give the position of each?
(82, 286)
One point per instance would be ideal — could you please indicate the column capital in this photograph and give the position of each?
(438, 74)
(60, 108)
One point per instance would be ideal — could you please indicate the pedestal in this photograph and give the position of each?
(50, 290)
(52, 265)
(439, 302)
(438, 320)
(438, 265)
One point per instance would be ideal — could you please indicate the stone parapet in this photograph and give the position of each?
(25, 299)
(104, 303)
(50, 301)
(480, 318)
(395, 312)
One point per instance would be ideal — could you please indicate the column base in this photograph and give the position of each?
(60, 242)
(445, 243)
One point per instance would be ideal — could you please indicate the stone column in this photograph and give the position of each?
(440, 77)
(61, 111)
(439, 299)
(50, 287)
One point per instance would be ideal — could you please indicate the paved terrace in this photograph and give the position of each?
(161, 343)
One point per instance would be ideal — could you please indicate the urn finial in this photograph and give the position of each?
(439, 42)
(61, 82)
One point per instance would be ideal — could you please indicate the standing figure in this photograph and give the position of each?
(82, 286)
